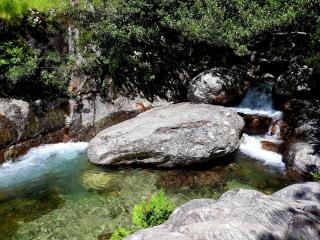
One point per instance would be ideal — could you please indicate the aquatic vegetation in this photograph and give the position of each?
(152, 212)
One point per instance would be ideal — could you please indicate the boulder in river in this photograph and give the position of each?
(303, 147)
(176, 135)
(216, 86)
(291, 213)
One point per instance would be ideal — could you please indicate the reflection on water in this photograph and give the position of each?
(59, 195)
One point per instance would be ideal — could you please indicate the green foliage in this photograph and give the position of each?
(120, 233)
(234, 23)
(157, 45)
(10, 9)
(153, 211)
(316, 176)
(28, 72)
(313, 59)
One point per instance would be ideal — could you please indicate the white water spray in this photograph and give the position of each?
(40, 163)
(258, 101)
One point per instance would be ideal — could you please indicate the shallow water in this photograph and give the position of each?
(54, 193)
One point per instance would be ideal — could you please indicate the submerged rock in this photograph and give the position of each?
(216, 86)
(98, 181)
(291, 213)
(175, 135)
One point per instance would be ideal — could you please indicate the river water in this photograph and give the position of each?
(54, 193)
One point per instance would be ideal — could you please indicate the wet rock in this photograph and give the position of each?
(98, 181)
(8, 131)
(23, 124)
(271, 146)
(171, 136)
(256, 124)
(291, 213)
(216, 86)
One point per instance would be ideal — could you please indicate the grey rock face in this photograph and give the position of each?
(303, 150)
(175, 135)
(297, 82)
(22, 121)
(216, 86)
(303, 157)
(97, 114)
(292, 213)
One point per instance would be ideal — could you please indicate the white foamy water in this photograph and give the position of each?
(251, 146)
(258, 101)
(40, 163)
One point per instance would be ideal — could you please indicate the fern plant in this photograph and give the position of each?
(316, 176)
(120, 233)
(153, 211)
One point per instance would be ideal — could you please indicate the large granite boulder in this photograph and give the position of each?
(303, 145)
(292, 213)
(216, 86)
(175, 135)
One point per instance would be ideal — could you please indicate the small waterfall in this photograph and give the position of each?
(258, 101)
(42, 164)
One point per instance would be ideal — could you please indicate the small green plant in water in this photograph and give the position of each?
(316, 176)
(120, 233)
(153, 211)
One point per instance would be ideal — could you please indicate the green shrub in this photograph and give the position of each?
(120, 233)
(155, 46)
(10, 9)
(316, 176)
(153, 211)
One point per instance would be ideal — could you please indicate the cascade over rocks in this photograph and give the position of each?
(170, 136)
(291, 213)
(216, 86)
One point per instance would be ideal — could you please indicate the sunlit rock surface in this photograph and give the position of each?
(291, 213)
(176, 135)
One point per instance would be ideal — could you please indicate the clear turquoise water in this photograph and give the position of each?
(54, 193)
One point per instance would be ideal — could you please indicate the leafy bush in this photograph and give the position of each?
(120, 233)
(30, 73)
(156, 46)
(316, 176)
(153, 211)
